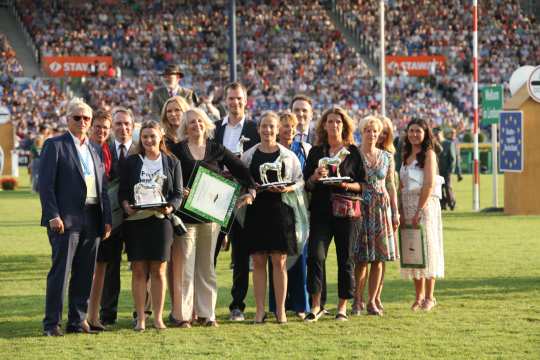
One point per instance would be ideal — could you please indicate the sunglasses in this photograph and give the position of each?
(81, 117)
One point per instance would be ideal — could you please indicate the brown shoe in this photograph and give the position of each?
(417, 305)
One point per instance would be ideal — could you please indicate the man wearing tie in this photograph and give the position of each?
(77, 214)
(110, 252)
(171, 82)
(302, 107)
(237, 133)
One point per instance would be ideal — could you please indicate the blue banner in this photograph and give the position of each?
(511, 141)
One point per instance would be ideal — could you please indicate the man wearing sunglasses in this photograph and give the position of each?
(77, 214)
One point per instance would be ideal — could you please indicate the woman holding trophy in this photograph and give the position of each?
(333, 174)
(271, 221)
(150, 190)
(195, 285)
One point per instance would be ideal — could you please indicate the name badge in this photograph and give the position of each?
(90, 186)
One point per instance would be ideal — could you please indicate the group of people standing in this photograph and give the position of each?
(285, 230)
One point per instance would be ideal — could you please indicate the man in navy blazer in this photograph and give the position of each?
(77, 215)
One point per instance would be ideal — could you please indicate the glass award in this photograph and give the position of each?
(148, 194)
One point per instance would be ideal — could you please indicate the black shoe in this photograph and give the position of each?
(55, 331)
(70, 329)
(97, 328)
(106, 321)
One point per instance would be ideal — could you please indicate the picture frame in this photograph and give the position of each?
(412, 248)
(212, 197)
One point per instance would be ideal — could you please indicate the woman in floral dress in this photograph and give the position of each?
(376, 244)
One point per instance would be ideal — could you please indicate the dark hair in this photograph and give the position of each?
(151, 124)
(235, 86)
(303, 98)
(102, 114)
(427, 144)
(348, 126)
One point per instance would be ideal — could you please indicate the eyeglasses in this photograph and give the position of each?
(81, 117)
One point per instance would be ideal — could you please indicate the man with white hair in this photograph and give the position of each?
(77, 214)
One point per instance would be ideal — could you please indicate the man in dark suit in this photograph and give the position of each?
(171, 87)
(77, 214)
(237, 133)
(111, 251)
(302, 107)
(447, 164)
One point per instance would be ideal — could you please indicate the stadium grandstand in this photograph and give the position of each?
(284, 47)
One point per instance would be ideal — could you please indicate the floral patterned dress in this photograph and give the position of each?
(377, 241)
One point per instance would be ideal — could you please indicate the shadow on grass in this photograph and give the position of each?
(29, 308)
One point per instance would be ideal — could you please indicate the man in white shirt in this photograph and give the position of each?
(237, 133)
(302, 107)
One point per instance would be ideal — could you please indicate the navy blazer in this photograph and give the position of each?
(130, 174)
(249, 130)
(62, 188)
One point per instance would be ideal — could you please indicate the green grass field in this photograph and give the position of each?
(489, 303)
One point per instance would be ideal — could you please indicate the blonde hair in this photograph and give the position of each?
(388, 144)
(348, 126)
(208, 124)
(269, 114)
(370, 120)
(169, 131)
(78, 104)
(289, 117)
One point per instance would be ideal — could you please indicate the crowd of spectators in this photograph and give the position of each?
(507, 37)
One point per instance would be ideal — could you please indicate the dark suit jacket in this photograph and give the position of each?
(130, 173)
(249, 130)
(115, 167)
(161, 94)
(62, 188)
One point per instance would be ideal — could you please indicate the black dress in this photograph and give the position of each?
(269, 223)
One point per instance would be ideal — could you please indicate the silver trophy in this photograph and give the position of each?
(148, 194)
(335, 161)
(273, 166)
(240, 146)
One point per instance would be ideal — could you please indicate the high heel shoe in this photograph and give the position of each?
(262, 321)
(417, 305)
(373, 310)
(429, 304)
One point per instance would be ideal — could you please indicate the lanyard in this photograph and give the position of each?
(86, 160)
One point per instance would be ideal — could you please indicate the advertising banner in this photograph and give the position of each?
(422, 65)
(76, 66)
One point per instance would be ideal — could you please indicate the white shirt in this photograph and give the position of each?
(87, 166)
(231, 136)
(117, 147)
(150, 169)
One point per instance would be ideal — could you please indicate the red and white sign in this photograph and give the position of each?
(75, 66)
(422, 65)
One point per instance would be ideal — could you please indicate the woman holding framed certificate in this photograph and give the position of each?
(270, 222)
(421, 209)
(150, 190)
(194, 278)
(335, 206)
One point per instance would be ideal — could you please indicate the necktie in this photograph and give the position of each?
(122, 156)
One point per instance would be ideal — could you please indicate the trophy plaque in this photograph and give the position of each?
(148, 194)
(335, 161)
(276, 167)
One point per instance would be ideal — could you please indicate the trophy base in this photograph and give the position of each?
(275, 184)
(335, 180)
(149, 206)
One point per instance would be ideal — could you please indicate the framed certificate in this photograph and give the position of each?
(212, 197)
(412, 247)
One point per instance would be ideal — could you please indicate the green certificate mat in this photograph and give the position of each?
(212, 197)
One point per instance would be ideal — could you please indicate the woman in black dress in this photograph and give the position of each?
(194, 277)
(334, 134)
(149, 233)
(269, 225)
